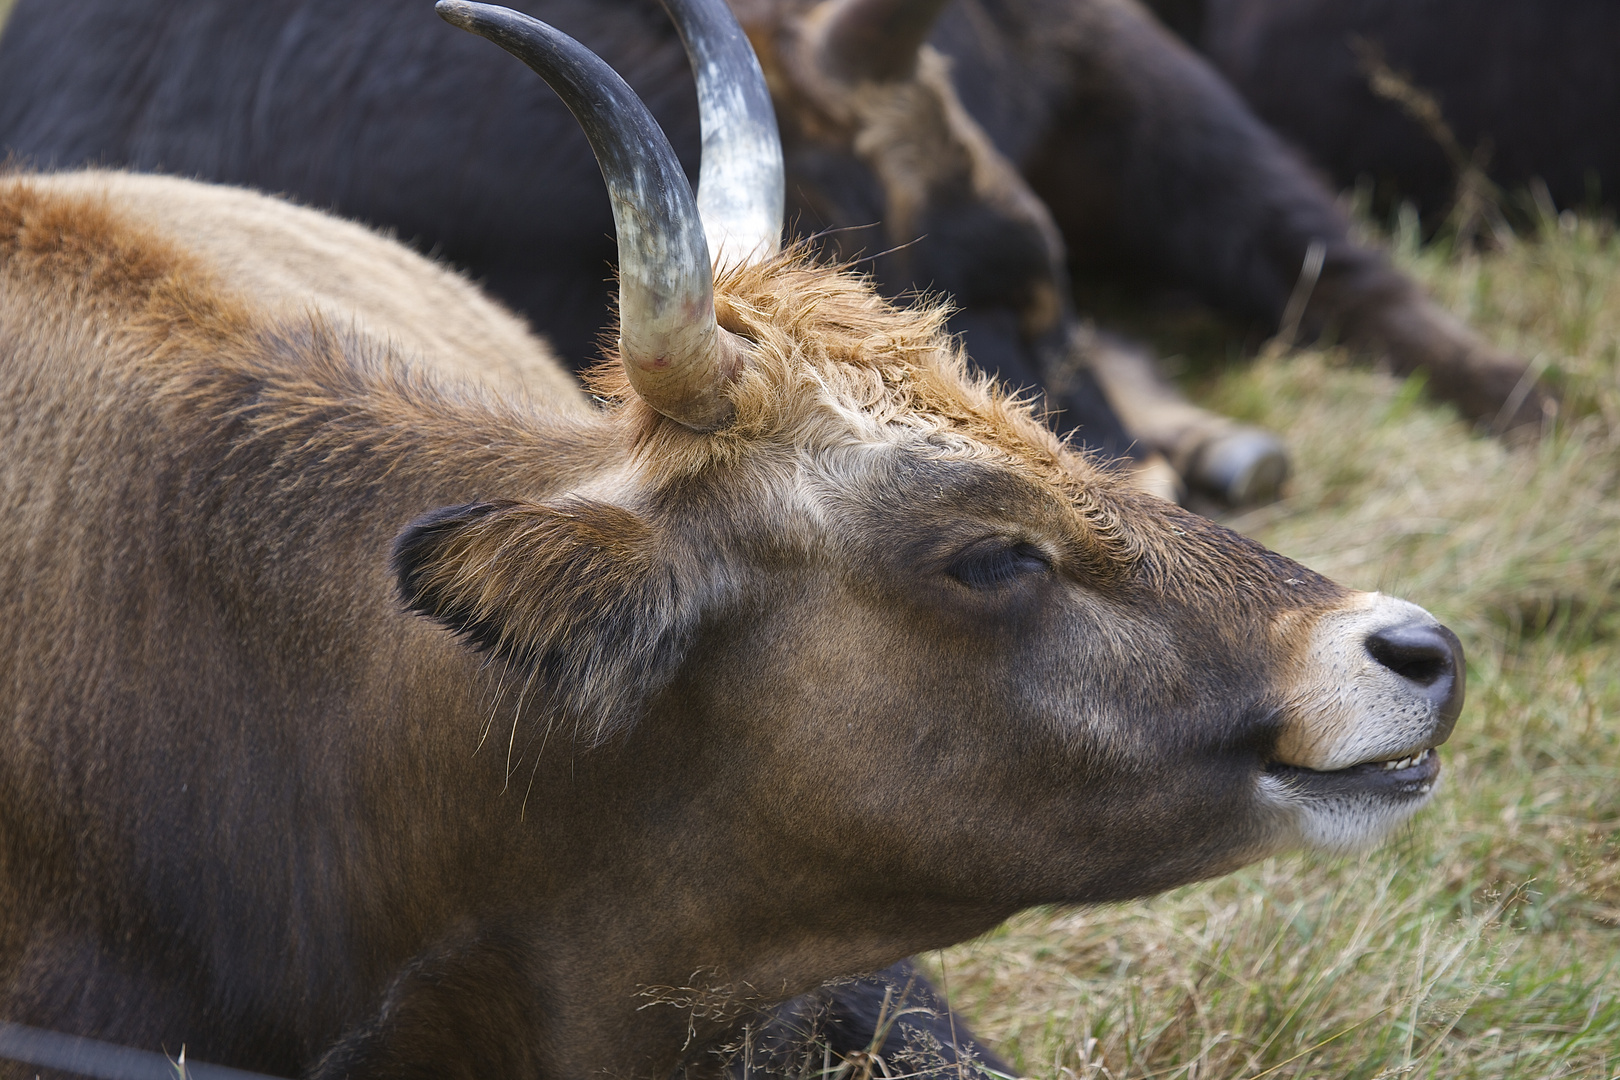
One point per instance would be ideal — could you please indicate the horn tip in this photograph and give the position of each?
(458, 12)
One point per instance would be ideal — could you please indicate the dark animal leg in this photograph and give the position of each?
(1237, 463)
(895, 1014)
(1076, 403)
(1152, 163)
(464, 1009)
(1378, 310)
(996, 348)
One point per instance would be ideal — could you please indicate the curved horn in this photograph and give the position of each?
(741, 181)
(874, 40)
(677, 358)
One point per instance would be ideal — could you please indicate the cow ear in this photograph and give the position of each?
(574, 593)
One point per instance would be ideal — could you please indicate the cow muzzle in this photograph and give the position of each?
(1378, 689)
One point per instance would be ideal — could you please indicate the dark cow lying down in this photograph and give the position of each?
(1145, 157)
(1529, 86)
(360, 722)
(1151, 162)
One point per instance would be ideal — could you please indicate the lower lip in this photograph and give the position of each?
(1413, 782)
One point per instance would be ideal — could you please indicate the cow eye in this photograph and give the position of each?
(991, 564)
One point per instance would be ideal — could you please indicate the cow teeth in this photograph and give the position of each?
(1406, 762)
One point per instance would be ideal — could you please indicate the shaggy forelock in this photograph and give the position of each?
(833, 366)
(832, 363)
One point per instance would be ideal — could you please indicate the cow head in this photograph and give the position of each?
(945, 660)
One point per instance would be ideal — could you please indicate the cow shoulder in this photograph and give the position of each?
(292, 261)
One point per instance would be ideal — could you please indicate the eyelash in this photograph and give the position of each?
(987, 566)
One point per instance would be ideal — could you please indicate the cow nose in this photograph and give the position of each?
(1430, 658)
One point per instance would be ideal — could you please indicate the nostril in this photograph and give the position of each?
(1423, 654)
(1429, 657)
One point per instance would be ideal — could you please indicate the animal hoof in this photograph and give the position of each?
(1244, 466)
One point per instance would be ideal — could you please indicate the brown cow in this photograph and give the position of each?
(802, 653)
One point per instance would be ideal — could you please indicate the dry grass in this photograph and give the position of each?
(1483, 942)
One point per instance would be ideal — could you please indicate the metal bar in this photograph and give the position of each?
(104, 1060)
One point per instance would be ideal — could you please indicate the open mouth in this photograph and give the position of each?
(1410, 777)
